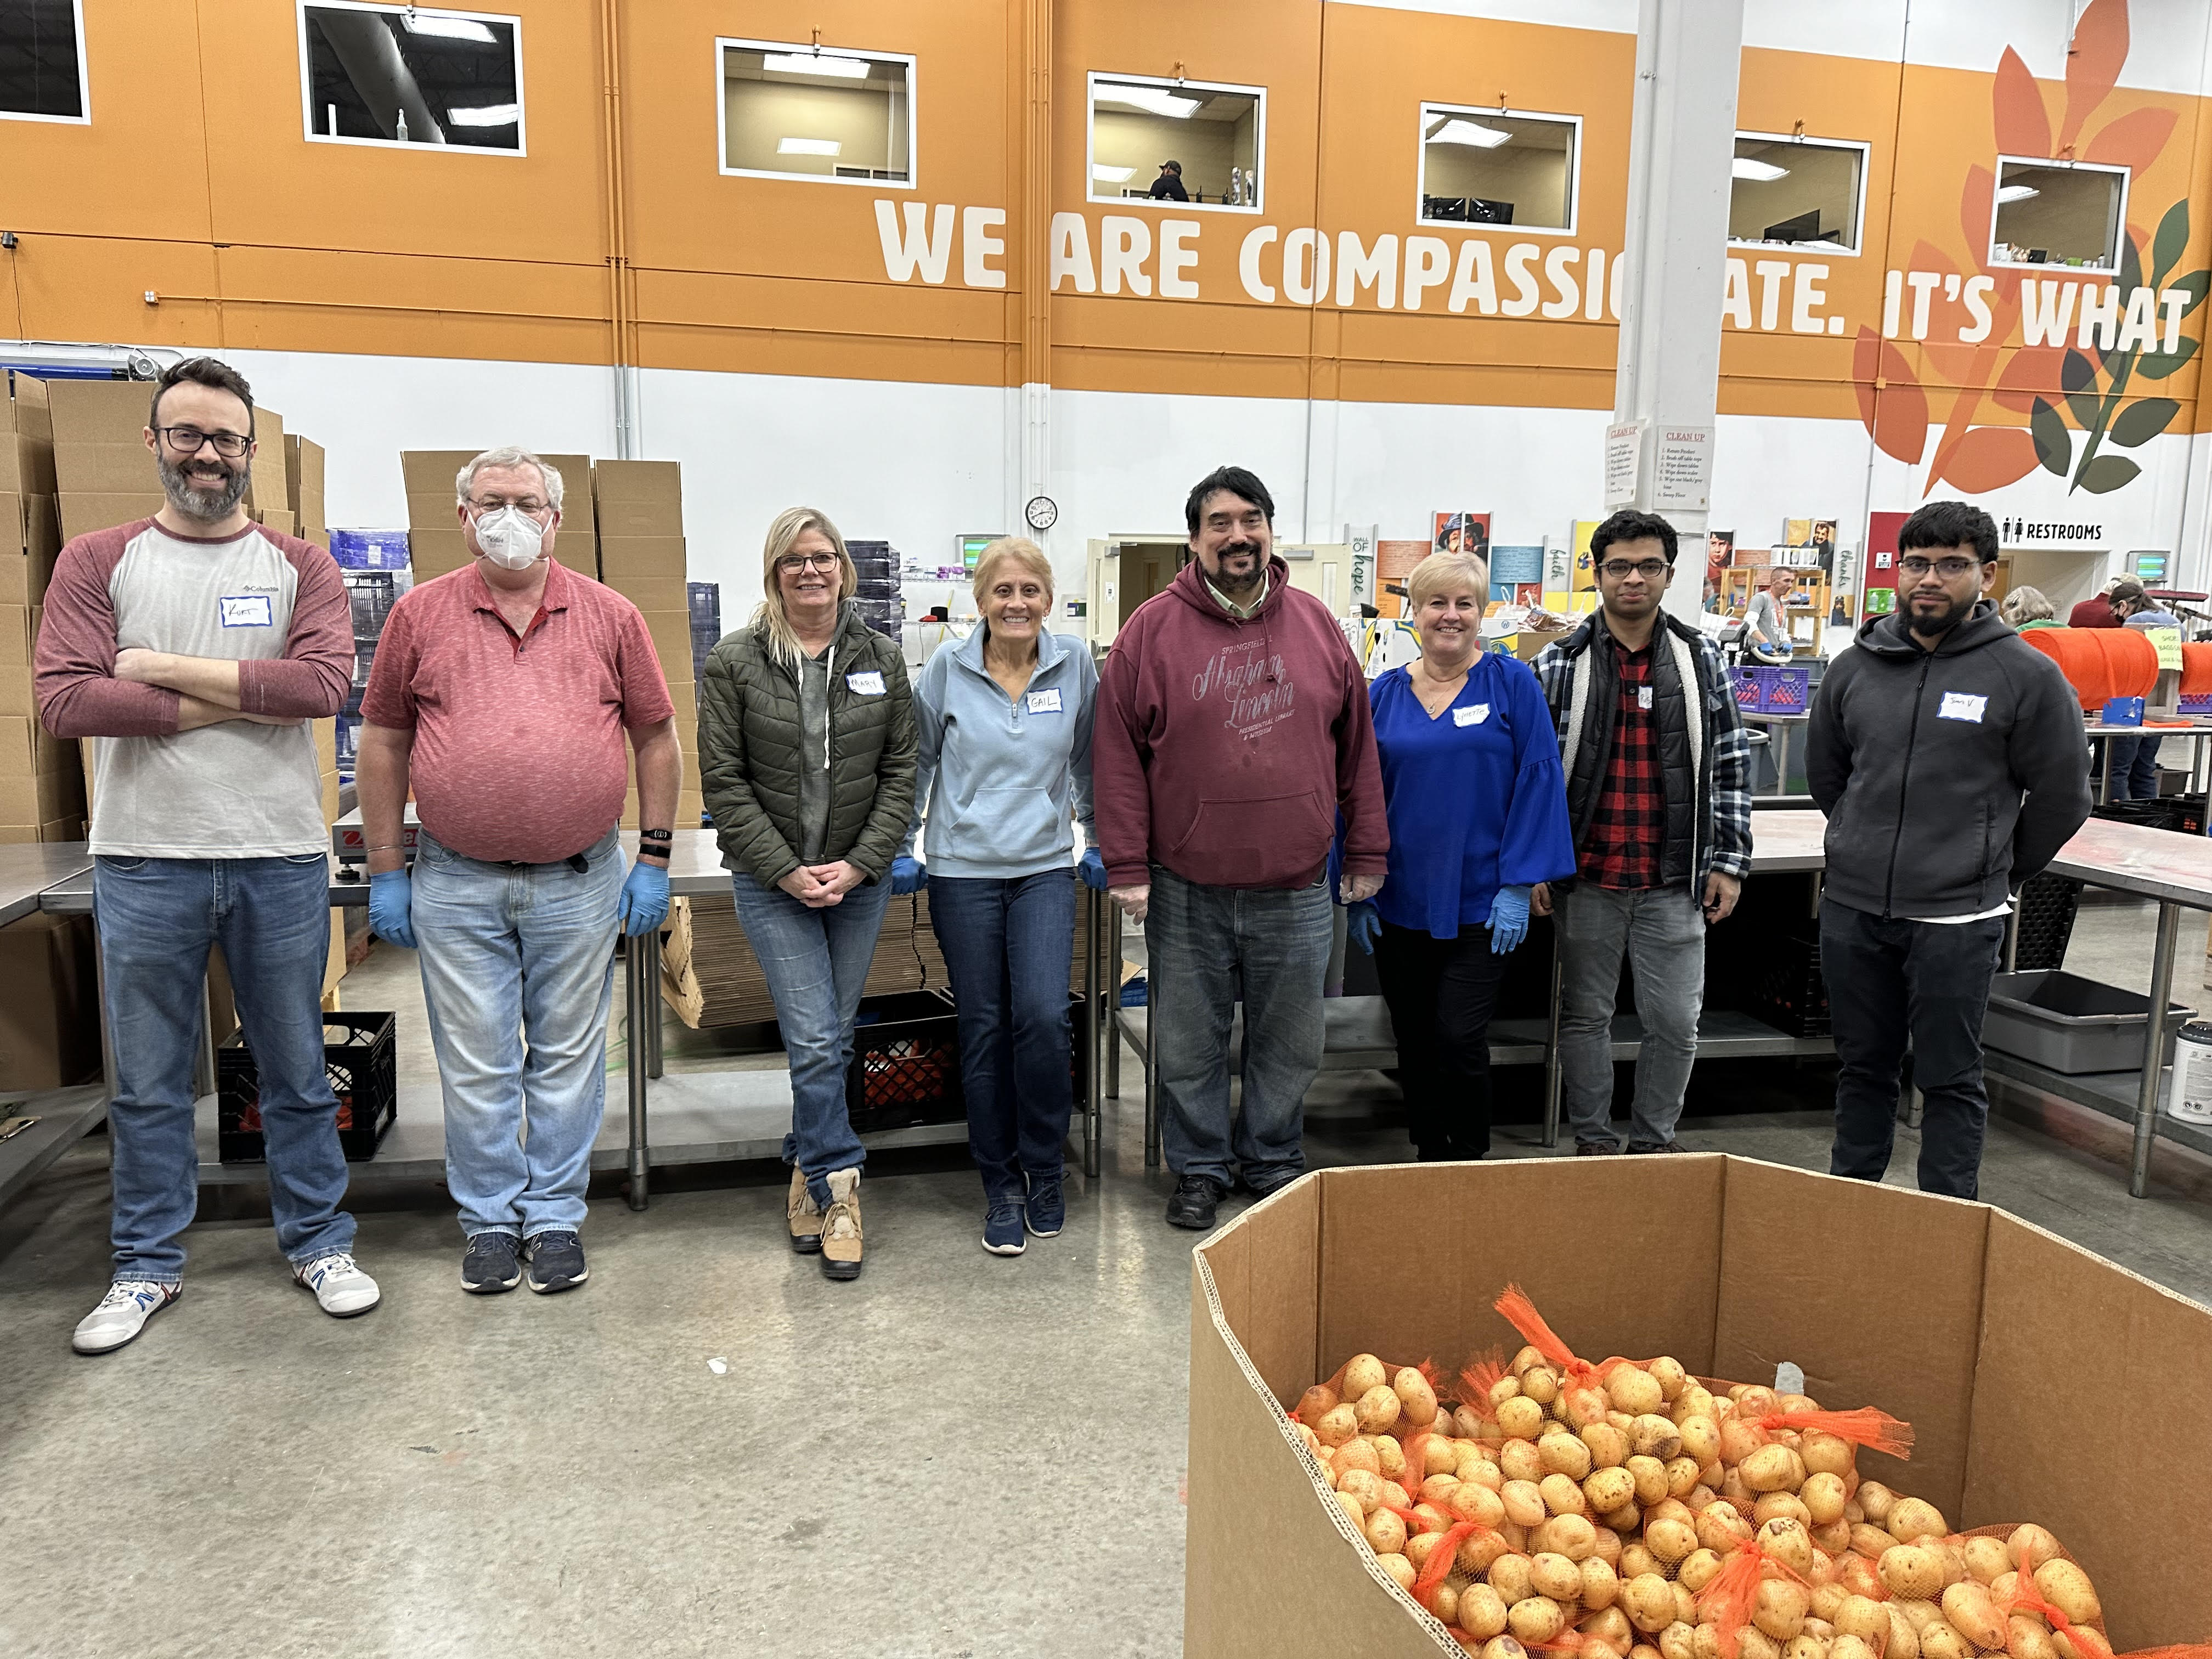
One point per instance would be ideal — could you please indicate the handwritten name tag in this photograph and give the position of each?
(1044, 702)
(247, 611)
(870, 685)
(1471, 716)
(1962, 706)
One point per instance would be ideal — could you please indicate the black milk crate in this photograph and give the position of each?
(1788, 991)
(364, 1072)
(2048, 904)
(906, 1062)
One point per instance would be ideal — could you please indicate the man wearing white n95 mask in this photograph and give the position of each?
(501, 692)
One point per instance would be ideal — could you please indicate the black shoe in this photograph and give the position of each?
(556, 1262)
(1640, 1147)
(1597, 1149)
(490, 1265)
(1196, 1198)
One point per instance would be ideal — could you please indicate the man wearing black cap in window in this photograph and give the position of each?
(1168, 187)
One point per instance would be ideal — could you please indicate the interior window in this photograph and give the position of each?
(407, 75)
(2051, 213)
(1796, 192)
(42, 60)
(1176, 142)
(1489, 166)
(817, 113)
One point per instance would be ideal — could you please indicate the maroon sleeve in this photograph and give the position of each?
(1120, 792)
(78, 694)
(645, 695)
(1360, 773)
(311, 680)
(389, 701)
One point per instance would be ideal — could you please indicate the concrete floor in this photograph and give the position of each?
(955, 1455)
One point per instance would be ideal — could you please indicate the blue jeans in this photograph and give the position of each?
(2135, 767)
(1661, 931)
(158, 918)
(1008, 944)
(509, 957)
(816, 962)
(1211, 947)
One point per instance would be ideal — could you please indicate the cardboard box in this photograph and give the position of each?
(622, 557)
(672, 642)
(1958, 1318)
(26, 750)
(99, 411)
(49, 1003)
(431, 472)
(27, 464)
(438, 511)
(82, 514)
(434, 552)
(268, 486)
(662, 593)
(25, 407)
(278, 519)
(40, 798)
(305, 467)
(90, 469)
(638, 498)
(329, 784)
(1530, 641)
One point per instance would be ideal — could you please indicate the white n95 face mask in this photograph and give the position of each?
(510, 537)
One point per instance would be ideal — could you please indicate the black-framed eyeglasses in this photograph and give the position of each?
(1620, 570)
(1949, 570)
(793, 563)
(187, 440)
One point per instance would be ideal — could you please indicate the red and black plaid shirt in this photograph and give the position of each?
(1630, 819)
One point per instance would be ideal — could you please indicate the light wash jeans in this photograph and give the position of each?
(510, 957)
(816, 962)
(1209, 948)
(1662, 932)
(157, 919)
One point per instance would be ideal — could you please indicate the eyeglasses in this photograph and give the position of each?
(1949, 570)
(792, 563)
(187, 440)
(528, 504)
(1620, 570)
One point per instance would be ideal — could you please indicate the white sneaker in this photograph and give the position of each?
(122, 1314)
(341, 1288)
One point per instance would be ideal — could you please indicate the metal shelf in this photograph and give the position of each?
(2111, 1093)
(65, 1116)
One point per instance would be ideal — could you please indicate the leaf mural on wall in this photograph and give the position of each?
(2093, 63)
(1895, 411)
(1989, 457)
(2054, 444)
(2023, 125)
(2143, 420)
(2134, 140)
(2107, 473)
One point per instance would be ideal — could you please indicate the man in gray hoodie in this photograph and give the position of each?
(1949, 757)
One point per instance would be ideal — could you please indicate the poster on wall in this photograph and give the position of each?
(1461, 532)
(1516, 575)
(1719, 546)
(1393, 562)
(1880, 601)
(1585, 570)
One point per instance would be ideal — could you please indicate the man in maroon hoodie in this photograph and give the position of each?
(1233, 727)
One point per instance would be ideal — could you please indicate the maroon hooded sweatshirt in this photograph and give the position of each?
(1224, 748)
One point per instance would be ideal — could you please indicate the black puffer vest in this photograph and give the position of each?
(1678, 851)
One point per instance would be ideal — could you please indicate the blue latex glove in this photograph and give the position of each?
(1509, 919)
(1363, 926)
(907, 875)
(644, 900)
(1092, 869)
(391, 905)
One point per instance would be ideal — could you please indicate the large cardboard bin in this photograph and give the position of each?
(1987, 1334)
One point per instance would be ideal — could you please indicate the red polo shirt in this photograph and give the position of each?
(519, 749)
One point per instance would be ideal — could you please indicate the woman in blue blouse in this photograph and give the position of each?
(1477, 811)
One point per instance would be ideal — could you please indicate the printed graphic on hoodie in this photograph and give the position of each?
(1251, 686)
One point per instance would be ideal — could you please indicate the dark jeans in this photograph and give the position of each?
(1930, 982)
(1007, 945)
(1440, 993)
(2135, 767)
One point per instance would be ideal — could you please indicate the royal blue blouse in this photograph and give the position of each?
(1475, 798)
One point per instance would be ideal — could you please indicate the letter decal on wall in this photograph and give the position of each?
(1176, 259)
(1770, 273)
(1613, 293)
(1593, 284)
(1735, 300)
(2139, 329)
(1071, 252)
(1305, 267)
(904, 256)
(976, 244)
(1976, 295)
(1805, 293)
(1428, 259)
(1555, 272)
(1124, 245)
(1357, 268)
(1473, 279)
(1247, 263)
(1518, 259)
(2046, 311)
(2101, 313)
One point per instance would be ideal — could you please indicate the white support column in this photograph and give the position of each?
(1681, 147)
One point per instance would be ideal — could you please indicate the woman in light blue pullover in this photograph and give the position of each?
(1003, 722)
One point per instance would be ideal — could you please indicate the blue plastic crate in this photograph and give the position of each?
(1768, 688)
(369, 550)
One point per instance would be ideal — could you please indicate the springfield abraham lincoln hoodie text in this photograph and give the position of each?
(1226, 746)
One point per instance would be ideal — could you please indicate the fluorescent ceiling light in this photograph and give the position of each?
(1154, 100)
(808, 63)
(1758, 172)
(809, 147)
(2015, 193)
(1106, 175)
(492, 115)
(1461, 131)
(450, 28)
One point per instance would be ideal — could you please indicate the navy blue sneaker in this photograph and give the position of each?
(492, 1264)
(556, 1262)
(1002, 1227)
(1047, 1211)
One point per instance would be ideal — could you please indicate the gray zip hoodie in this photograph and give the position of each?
(1949, 776)
(1002, 778)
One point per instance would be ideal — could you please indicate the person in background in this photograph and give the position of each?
(1233, 729)
(2096, 611)
(519, 886)
(2026, 608)
(1002, 723)
(806, 757)
(199, 646)
(2135, 759)
(1169, 186)
(1659, 795)
(1947, 755)
(1477, 816)
(1769, 614)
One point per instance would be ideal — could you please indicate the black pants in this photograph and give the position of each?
(1440, 993)
(1930, 982)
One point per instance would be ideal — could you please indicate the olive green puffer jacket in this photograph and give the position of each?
(749, 752)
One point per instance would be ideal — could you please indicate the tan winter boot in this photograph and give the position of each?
(805, 1217)
(841, 1226)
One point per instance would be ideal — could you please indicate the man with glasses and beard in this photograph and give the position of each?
(197, 645)
(1233, 729)
(1947, 754)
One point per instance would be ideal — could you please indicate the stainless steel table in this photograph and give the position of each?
(2193, 733)
(1779, 727)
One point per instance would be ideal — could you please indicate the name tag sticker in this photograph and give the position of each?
(1644, 698)
(870, 685)
(1962, 706)
(247, 611)
(1044, 702)
(1471, 716)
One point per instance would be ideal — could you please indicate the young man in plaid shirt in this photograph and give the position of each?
(1658, 792)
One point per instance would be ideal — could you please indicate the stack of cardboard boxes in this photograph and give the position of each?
(640, 511)
(101, 465)
(436, 543)
(303, 488)
(41, 781)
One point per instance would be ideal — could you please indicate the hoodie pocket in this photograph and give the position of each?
(1270, 841)
(1012, 827)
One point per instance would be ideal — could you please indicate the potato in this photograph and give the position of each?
(1650, 1435)
(1754, 1642)
(1823, 1496)
(1363, 1372)
(1904, 1640)
(1872, 1542)
(1852, 1647)
(1420, 1545)
(1649, 1601)
(1517, 1535)
(1833, 1539)
(1778, 1608)
(1473, 1468)
(1399, 1568)
(1581, 1406)
(1503, 1646)
(1739, 1439)
(1367, 1486)
(1875, 1499)
(1476, 1554)
(1698, 1569)
(1852, 1512)
(2029, 1547)
(1520, 1418)
(1354, 1510)
(1469, 1423)
(1733, 1488)
(1563, 1453)
(1634, 1390)
(1720, 1528)
(1826, 1454)
(1804, 1647)
(1779, 1506)
(1570, 1535)
(1973, 1615)
(1828, 1600)
(1859, 1576)
(2067, 1589)
(1608, 1547)
(1562, 1495)
(1914, 1518)
(1377, 1409)
(1770, 1468)
(1541, 1384)
(1756, 1400)
(1510, 1577)
(1788, 1543)
(1987, 1561)
(1609, 1446)
(2080, 1642)
(1336, 1425)
(1522, 1460)
(2029, 1638)
(1470, 1502)
(1439, 1487)
(1681, 1477)
(1553, 1576)
(1416, 1399)
(1601, 1585)
(1390, 1454)
(1647, 1478)
(1939, 1640)
(1440, 1455)
(1678, 1641)
(1443, 1601)
(1609, 1627)
(1635, 1561)
(1694, 1400)
(1912, 1572)
(1481, 1613)
(1315, 1402)
(1686, 1605)
(1607, 1491)
(1358, 1453)
(1386, 1533)
(1667, 1373)
(1524, 1503)
(1628, 1518)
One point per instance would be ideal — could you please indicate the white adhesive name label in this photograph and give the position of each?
(1044, 702)
(1962, 706)
(870, 685)
(1471, 716)
(247, 611)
